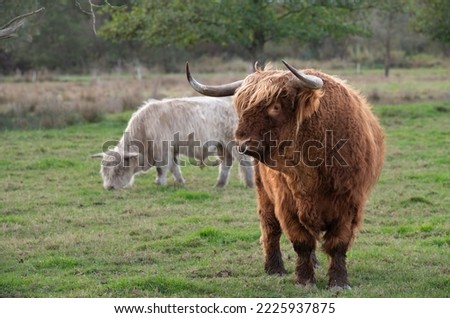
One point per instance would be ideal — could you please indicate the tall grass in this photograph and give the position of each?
(41, 105)
(60, 101)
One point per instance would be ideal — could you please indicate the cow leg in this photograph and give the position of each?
(336, 244)
(270, 239)
(291, 214)
(176, 171)
(224, 169)
(270, 230)
(224, 172)
(161, 173)
(246, 171)
(304, 246)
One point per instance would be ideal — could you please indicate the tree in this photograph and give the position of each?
(390, 12)
(7, 30)
(14, 12)
(250, 24)
(61, 39)
(432, 18)
(65, 38)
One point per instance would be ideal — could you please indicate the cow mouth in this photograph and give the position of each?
(259, 150)
(250, 147)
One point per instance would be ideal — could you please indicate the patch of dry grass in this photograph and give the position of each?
(29, 105)
(59, 101)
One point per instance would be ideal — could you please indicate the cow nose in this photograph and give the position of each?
(110, 187)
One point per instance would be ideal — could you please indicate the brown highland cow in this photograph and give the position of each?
(319, 152)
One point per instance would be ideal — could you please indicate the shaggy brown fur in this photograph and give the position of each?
(320, 153)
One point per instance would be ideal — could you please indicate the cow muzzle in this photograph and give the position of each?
(248, 147)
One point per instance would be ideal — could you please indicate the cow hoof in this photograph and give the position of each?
(305, 282)
(277, 272)
(280, 271)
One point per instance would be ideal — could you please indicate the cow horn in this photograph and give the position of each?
(257, 67)
(212, 90)
(97, 155)
(308, 81)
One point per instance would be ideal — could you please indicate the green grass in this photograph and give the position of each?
(62, 235)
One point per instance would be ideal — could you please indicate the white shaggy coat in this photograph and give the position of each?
(150, 139)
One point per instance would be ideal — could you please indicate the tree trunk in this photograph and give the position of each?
(256, 48)
(387, 56)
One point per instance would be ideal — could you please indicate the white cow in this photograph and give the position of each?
(160, 131)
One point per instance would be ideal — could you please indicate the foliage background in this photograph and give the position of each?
(163, 34)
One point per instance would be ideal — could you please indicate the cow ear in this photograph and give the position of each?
(308, 102)
(130, 155)
(103, 154)
(97, 155)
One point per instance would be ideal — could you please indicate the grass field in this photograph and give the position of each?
(62, 235)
